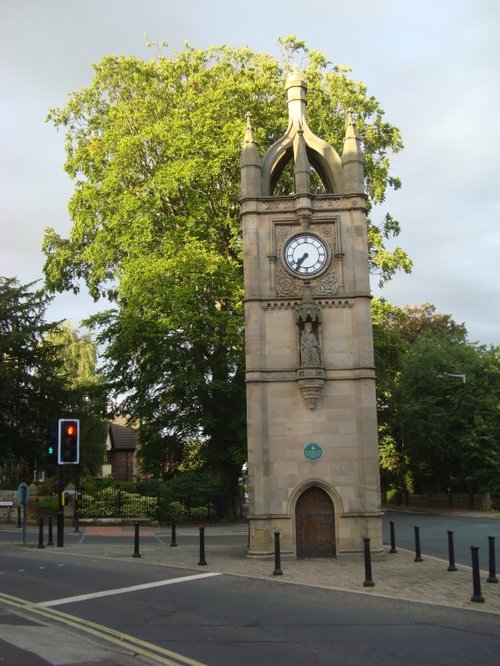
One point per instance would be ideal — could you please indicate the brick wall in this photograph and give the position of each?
(123, 465)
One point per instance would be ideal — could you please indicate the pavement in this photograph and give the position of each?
(394, 575)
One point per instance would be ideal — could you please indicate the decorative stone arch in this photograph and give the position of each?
(314, 506)
(321, 157)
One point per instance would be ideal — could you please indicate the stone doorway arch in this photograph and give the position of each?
(315, 524)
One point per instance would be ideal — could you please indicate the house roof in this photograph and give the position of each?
(122, 437)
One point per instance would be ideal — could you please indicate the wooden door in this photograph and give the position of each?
(315, 524)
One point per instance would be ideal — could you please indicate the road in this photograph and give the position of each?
(433, 530)
(181, 615)
(467, 531)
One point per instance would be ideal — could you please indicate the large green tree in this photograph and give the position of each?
(439, 403)
(85, 391)
(31, 384)
(47, 371)
(153, 148)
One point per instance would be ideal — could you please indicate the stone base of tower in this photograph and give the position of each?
(349, 532)
(261, 533)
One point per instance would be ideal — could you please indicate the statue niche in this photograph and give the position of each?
(310, 373)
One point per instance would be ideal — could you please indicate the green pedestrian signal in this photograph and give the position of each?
(51, 437)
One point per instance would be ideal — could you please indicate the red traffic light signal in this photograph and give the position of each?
(68, 451)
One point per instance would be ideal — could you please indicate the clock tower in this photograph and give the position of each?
(311, 408)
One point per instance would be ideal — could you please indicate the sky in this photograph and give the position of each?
(434, 67)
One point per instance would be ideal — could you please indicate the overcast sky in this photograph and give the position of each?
(434, 66)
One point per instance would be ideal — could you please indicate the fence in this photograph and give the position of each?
(115, 503)
(112, 503)
(481, 502)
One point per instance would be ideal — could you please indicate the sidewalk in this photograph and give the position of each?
(397, 575)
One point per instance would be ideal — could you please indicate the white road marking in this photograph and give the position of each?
(123, 590)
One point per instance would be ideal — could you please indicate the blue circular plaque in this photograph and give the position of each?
(313, 451)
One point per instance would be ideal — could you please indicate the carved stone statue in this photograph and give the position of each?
(309, 346)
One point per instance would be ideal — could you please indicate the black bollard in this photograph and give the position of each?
(418, 554)
(476, 580)
(393, 538)
(60, 528)
(492, 578)
(136, 541)
(202, 562)
(23, 521)
(76, 519)
(40, 534)
(50, 542)
(19, 516)
(173, 541)
(277, 555)
(451, 552)
(368, 564)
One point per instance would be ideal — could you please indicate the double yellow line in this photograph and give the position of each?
(125, 641)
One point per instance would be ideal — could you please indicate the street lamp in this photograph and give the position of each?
(451, 374)
(464, 380)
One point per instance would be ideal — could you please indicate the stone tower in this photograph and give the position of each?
(312, 429)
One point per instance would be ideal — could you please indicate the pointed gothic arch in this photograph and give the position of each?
(315, 523)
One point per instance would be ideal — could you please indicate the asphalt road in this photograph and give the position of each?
(220, 620)
(433, 531)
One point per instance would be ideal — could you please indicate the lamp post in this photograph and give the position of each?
(464, 382)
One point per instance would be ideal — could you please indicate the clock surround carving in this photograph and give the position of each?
(288, 283)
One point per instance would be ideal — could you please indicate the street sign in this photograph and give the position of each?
(22, 492)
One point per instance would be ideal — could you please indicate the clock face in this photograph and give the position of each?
(305, 255)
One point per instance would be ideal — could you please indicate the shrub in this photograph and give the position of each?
(111, 503)
(176, 510)
(48, 504)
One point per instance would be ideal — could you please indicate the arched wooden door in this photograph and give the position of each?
(315, 524)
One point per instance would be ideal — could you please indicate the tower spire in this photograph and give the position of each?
(352, 159)
(296, 87)
(250, 163)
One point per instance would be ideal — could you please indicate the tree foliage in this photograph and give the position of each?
(153, 148)
(85, 391)
(31, 384)
(439, 403)
(46, 372)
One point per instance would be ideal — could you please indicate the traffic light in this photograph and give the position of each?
(68, 452)
(51, 437)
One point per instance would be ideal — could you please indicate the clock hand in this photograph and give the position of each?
(302, 258)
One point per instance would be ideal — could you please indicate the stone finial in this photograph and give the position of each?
(352, 159)
(249, 136)
(296, 87)
(250, 163)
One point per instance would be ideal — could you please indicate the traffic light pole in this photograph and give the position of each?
(60, 511)
(76, 515)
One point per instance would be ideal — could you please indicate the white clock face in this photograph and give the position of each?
(305, 255)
